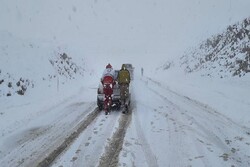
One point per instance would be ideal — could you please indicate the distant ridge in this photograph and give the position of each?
(224, 55)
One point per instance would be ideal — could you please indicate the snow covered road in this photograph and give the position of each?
(169, 129)
(163, 128)
(99, 144)
(37, 138)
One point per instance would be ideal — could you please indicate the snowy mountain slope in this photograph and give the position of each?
(27, 64)
(224, 55)
(16, 67)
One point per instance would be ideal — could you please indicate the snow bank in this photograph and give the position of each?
(229, 96)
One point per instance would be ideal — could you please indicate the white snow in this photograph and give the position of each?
(177, 119)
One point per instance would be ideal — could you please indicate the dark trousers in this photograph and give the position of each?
(124, 88)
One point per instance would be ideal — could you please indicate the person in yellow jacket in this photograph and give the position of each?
(124, 81)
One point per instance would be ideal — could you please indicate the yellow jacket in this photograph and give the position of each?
(123, 76)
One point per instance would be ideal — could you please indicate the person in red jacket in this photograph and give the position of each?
(108, 83)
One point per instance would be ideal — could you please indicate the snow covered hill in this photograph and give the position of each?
(27, 64)
(224, 55)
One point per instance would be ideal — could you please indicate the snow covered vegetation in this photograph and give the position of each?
(224, 55)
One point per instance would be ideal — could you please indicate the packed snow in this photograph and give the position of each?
(52, 55)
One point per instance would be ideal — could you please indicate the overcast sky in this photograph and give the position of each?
(148, 31)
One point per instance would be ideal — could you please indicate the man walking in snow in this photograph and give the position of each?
(124, 81)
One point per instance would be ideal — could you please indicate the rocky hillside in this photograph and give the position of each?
(10, 85)
(65, 67)
(224, 55)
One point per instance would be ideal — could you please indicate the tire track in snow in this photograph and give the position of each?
(173, 128)
(175, 136)
(110, 158)
(33, 144)
(210, 115)
(92, 141)
(149, 155)
(69, 140)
